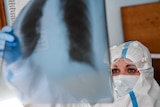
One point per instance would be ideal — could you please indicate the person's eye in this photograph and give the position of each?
(132, 70)
(115, 70)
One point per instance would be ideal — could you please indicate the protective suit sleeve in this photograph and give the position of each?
(30, 83)
(33, 85)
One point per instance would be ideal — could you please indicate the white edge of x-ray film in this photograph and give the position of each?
(13, 8)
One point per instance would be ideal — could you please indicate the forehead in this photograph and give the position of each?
(123, 62)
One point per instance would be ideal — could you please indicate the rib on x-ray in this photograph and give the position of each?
(67, 40)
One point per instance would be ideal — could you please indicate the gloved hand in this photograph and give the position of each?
(10, 49)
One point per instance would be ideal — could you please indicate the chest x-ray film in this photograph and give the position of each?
(67, 40)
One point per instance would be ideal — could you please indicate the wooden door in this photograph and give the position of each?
(2, 14)
(142, 22)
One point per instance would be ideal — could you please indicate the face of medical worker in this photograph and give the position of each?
(124, 67)
(125, 76)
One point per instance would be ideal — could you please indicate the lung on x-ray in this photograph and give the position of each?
(67, 40)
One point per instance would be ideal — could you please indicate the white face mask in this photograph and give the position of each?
(123, 84)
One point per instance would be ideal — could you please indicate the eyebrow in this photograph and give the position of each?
(130, 65)
(114, 66)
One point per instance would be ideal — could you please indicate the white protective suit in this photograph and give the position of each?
(146, 90)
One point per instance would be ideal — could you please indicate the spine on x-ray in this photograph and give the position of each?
(12, 9)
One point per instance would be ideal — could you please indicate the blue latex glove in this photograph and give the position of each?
(9, 45)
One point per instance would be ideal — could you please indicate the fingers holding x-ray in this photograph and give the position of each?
(6, 35)
(9, 44)
(3, 39)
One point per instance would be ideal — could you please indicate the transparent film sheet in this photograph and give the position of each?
(65, 42)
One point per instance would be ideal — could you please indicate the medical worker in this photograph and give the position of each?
(133, 76)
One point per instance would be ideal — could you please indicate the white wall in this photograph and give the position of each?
(114, 18)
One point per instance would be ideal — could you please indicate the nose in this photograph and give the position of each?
(123, 71)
